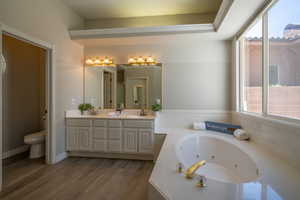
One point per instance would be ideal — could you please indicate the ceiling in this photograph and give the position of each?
(96, 9)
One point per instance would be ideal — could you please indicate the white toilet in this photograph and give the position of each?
(37, 143)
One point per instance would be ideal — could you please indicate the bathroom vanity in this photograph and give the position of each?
(110, 134)
(125, 136)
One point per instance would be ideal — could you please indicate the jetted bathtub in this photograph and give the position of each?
(225, 161)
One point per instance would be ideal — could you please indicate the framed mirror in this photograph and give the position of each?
(123, 86)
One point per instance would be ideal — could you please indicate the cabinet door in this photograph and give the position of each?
(130, 140)
(146, 140)
(72, 138)
(99, 145)
(115, 146)
(100, 133)
(115, 133)
(84, 138)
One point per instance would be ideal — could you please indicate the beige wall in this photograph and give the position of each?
(50, 21)
(197, 71)
(25, 91)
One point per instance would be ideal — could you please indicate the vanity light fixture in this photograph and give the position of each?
(97, 62)
(149, 60)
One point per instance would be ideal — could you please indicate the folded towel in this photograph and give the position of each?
(241, 134)
(199, 126)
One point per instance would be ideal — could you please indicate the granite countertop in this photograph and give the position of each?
(278, 180)
(109, 114)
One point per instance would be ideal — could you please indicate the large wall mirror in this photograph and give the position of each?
(123, 86)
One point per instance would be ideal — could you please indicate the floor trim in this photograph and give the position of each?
(61, 157)
(15, 151)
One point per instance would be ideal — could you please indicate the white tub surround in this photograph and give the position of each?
(177, 118)
(280, 136)
(276, 179)
(127, 136)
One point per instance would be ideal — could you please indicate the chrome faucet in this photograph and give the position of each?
(189, 174)
(120, 108)
(142, 112)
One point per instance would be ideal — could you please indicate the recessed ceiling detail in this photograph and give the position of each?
(96, 9)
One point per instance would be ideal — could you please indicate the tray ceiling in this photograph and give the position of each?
(95, 9)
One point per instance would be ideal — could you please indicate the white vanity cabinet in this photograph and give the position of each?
(110, 136)
(78, 135)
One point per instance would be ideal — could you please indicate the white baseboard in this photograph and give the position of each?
(15, 151)
(61, 157)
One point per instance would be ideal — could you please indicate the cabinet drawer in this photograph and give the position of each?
(138, 123)
(99, 145)
(114, 146)
(115, 133)
(115, 123)
(100, 133)
(79, 122)
(100, 123)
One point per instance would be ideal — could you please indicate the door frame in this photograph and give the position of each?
(114, 86)
(50, 89)
(146, 78)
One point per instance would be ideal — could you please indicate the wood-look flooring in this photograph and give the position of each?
(77, 179)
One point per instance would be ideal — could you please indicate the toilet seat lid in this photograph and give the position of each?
(36, 136)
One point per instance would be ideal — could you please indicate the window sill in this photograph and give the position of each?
(276, 120)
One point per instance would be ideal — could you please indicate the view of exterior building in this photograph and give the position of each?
(284, 73)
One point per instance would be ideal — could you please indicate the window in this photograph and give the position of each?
(284, 50)
(273, 75)
(251, 50)
(277, 94)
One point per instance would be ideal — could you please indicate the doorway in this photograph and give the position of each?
(24, 101)
(34, 87)
(108, 89)
(136, 92)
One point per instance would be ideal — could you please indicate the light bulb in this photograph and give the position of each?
(150, 59)
(131, 61)
(106, 60)
(140, 60)
(89, 61)
(97, 61)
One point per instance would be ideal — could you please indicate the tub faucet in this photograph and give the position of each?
(189, 174)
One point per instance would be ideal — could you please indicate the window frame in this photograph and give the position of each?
(263, 15)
